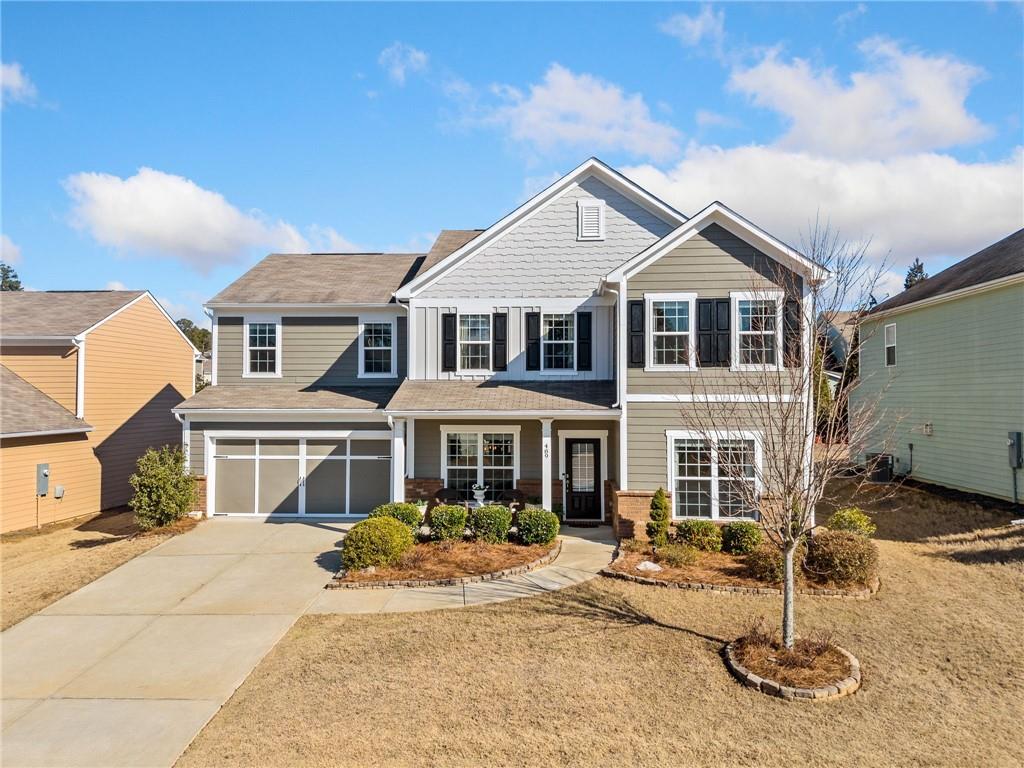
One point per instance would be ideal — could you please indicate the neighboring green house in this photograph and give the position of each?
(943, 362)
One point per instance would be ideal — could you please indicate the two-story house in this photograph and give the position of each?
(548, 353)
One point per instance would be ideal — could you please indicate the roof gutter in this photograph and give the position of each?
(37, 340)
(46, 432)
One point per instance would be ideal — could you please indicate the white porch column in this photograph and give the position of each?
(545, 452)
(398, 460)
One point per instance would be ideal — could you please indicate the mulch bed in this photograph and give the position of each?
(801, 667)
(432, 561)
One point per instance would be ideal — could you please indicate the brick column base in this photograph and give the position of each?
(200, 504)
(631, 510)
(422, 488)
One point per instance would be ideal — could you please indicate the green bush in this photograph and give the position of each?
(657, 529)
(852, 519)
(702, 534)
(842, 557)
(766, 563)
(376, 541)
(402, 511)
(537, 526)
(676, 555)
(164, 489)
(447, 522)
(741, 538)
(490, 523)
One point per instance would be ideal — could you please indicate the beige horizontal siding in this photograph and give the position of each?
(52, 370)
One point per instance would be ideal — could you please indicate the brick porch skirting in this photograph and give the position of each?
(837, 690)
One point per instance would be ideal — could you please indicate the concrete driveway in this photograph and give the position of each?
(125, 671)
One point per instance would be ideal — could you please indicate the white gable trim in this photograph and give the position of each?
(732, 222)
(592, 167)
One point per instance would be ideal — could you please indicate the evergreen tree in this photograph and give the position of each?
(657, 529)
(915, 274)
(9, 278)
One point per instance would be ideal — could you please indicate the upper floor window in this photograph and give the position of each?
(558, 342)
(758, 335)
(474, 343)
(671, 341)
(263, 347)
(890, 345)
(590, 220)
(377, 349)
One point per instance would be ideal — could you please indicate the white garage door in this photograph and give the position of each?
(300, 476)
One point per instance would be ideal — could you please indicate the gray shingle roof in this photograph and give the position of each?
(25, 409)
(287, 396)
(447, 243)
(1000, 259)
(57, 313)
(422, 395)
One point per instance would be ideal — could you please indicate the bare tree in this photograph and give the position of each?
(756, 454)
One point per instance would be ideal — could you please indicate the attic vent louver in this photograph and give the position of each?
(590, 220)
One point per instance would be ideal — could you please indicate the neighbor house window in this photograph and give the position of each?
(263, 347)
(481, 457)
(474, 342)
(890, 345)
(558, 342)
(758, 325)
(377, 349)
(590, 220)
(671, 340)
(713, 476)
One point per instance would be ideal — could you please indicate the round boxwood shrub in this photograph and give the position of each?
(537, 526)
(842, 557)
(490, 523)
(447, 522)
(766, 564)
(402, 511)
(377, 541)
(700, 534)
(676, 555)
(741, 538)
(852, 519)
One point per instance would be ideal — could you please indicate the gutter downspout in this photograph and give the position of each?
(615, 292)
(79, 342)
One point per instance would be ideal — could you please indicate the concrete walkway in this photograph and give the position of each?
(127, 670)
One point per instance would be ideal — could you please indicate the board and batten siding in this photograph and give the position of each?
(541, 257)
(53, 370)
(322, 350)
(960, 368)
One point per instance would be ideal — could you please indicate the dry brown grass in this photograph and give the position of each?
(448, 560)
(39, 568)
(613, 673)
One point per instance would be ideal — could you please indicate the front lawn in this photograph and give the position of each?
(614, 673)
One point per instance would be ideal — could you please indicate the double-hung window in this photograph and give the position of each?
(890, 345)
(262, 347)
(757, 341)
(558, 342)
(377, 349)
(474, 343)
(671, 341)
(714, 476)
(479, 456)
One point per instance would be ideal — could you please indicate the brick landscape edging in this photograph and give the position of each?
(849, 594)
(844, 687)
(337, 583)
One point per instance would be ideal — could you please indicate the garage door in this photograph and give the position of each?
(308, 476)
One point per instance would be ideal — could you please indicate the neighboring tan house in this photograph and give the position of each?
(549, 353)
(943, 364)
(87, 382)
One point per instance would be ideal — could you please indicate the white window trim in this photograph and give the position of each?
(735, 298)
(363, 322)
(575, 331)
(276, 320)
(459, 342)
(671, 435)
(691, 299)
(589, 203)
(599, 434)
(886, 345)
(479, 430)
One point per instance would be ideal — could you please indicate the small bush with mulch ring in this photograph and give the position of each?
(813, 661)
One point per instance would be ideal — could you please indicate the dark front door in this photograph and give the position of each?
(583, 481)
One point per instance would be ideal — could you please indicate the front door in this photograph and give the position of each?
(583, 479)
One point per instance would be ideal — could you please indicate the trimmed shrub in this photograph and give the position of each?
(490, 523)
(537, 526)
(676, 555)
(447, 522)
(766, 564)
(702, 534)
(657, 529)
(377, 541)
(164, 489)
(852, 519)
(402, 511)
(842, 557)
(741, 538)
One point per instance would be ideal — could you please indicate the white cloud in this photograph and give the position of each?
(705, 118)
(902, 102)
(178, 310)
(534, 184)
(399, 59)
(15, 85)
(847, 17)
(10, 253)
(691, 31)
(160, 213)
(116, 285)
(574, 110)
(329, 240)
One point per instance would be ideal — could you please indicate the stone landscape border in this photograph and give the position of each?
(546, 559)
(844, 687)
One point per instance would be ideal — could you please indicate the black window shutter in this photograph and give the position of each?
(533, 341)
(636, 333)
(499, 348)
(584, 341)
(449, 344)
(792, 346)
(707, 355)
(723, 338)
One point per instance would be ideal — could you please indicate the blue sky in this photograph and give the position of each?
(170, 146)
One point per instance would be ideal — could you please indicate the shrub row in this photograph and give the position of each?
(839, 557)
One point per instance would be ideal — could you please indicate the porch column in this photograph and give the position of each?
(398, 460)
(545, 452)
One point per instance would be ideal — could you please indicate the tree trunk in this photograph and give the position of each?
(788, 591)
